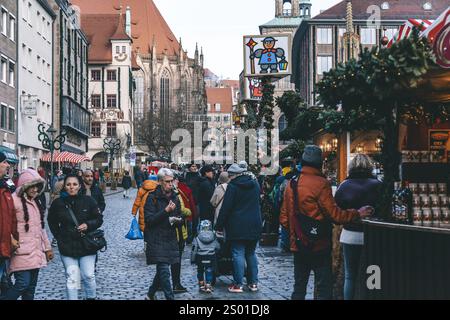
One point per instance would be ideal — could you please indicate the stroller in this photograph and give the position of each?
(224, 259)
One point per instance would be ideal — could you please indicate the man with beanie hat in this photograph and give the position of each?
(9, 237)
(308, 212)
(240, 217)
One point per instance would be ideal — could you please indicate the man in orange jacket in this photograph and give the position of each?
(308, 212)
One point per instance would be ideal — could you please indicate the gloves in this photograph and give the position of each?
(175, 220)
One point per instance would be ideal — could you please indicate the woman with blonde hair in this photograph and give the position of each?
(360, 189)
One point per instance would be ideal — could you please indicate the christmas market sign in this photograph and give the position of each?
(268, 55)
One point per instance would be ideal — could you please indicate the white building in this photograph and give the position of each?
(110, 71)
(35, 85)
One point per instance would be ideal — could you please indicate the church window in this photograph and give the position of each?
(287, 8)
(164, 98)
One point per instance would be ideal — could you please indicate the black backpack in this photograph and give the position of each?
(313, 236)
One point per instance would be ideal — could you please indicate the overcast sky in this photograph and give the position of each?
(218, 26)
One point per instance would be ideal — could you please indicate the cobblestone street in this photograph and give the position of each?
(122, 273)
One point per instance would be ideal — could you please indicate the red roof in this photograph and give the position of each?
(231, 84)
(147, 23)
(224, 96)
(100, 29)
(398, 9)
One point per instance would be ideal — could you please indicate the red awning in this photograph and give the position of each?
(65, 157)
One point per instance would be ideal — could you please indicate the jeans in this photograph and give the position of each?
(24, 286)
(162, 279)
(84, 267)
(190, 232)
(176, 268)
(352, 255)
(205, 272)
(321, 265)
(243, 251)
(2, 266)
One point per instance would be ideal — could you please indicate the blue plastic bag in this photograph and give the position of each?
(134, 233)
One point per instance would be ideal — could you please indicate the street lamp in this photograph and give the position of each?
(112, 147)
(51, 143)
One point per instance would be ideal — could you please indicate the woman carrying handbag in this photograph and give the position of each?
(71, 219)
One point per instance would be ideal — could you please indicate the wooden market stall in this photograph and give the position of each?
(413, 256)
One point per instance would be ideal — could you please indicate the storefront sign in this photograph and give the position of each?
(268, 55)
(29, 107)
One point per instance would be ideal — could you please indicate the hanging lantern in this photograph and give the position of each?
(283, 64)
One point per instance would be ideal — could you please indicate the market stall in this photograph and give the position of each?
(410, 246)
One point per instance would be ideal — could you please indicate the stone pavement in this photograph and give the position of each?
(122, 273)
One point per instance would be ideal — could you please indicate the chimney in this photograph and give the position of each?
(128, 21)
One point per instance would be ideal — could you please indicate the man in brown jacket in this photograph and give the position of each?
(308, 212)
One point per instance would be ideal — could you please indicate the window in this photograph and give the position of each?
(4, 21)
(111, 101)
(95, 129)
(124, 49)
(217, 107)
(342, 31)
(324, 36)
(12, 120)
(324, 64)
(3, 69)
(390, 33)
(282, 123)
(217, 118)
(12, 28)
(30, 54)
(226, 118)
(117, 49)
(3, 116)
(95, 75)
(164, 101)
(368, 36)
(38, 29)
(209, 106)
(111, 129)
(29, 14)
(287, 8)
(111, 75)
(96, 101)
(38, 64)
(11, 73)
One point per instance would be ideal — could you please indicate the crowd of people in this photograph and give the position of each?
(178, 206)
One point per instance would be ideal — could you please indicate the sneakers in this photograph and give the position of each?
(252, 287)
(235, 289)
(201, 285)
(179, 289)
(207, 288)
(148, 297)
(54, 243)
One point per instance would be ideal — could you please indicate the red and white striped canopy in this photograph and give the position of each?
(432, 31)
(405, 30)
(64, 157)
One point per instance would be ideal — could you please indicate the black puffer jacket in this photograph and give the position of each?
(63, 227)
(206, 191)
(126, 182)
(161, 237)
